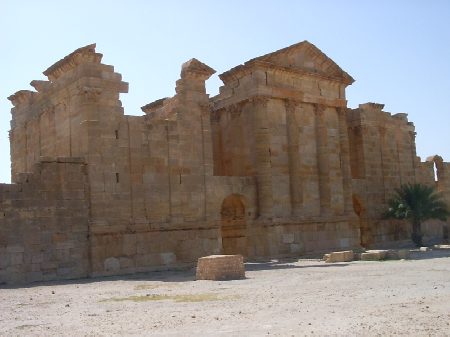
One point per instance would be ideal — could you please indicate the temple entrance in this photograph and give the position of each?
(233, 225)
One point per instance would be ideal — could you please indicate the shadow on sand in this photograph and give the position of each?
(188, 274)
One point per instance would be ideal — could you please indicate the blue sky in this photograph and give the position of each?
(397, 51)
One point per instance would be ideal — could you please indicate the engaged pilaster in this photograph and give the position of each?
(322, 159)
(263, 164)
(294, 158)
(345, 160)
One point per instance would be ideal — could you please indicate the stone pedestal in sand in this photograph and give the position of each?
(220, 267)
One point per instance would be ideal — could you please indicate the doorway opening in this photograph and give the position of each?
(233, 225)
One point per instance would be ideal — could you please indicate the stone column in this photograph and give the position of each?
(384, 162)
(345, 160)
(262, 154)
(296, 187)
(194, 138)
(322, 159)
(412, 136)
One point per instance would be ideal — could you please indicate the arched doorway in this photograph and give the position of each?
(233, 225)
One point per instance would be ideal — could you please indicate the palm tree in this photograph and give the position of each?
(417, 203)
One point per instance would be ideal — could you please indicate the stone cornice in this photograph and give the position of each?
(81, 55)
(22, 96)
(40, 86)
(332, 71)
(242, 70)
(218, 103)
(376, 106)
(154, 105)
(195, 67)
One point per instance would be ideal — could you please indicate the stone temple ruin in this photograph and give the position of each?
(274, 165)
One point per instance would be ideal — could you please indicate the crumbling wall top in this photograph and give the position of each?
(371, 105)
(435, 158)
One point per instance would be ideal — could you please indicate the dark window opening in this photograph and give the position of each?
(117, 177)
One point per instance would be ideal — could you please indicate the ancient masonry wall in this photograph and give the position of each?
(273, 165)
(44, 222)
(154, 202)
(383, 156)
(288, 128)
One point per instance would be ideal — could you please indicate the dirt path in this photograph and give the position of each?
(306, 297)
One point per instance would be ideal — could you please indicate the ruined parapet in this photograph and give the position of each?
(425, 173)
(47, 122)
(382, 157)
(82, 63)
(372, 114)
(382, 147)
(44, 223)
(441, 175)
(82, 55)
(191, 90)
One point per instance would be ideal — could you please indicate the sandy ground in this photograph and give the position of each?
(278, 298)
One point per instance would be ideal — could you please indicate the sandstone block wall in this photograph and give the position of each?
(297, 237)
(274, 165)
(383, 157)
(44, 220)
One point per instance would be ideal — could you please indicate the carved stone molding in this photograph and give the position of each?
(259, 100)
(90, 93)
(215, 116)
(319, 110)
(290, 105)
(22, 97)
(234, 110)
(342, 111)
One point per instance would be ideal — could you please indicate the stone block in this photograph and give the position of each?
(343, 243)
(168, 258)
(288, 238)
(295, 248)
(4, 260)
(15, 249)
(34, 276)
(442, 246)
(344, 256)
(220, 267)
(403, 254)
(374, 255)
(16, 259)
(111, 264)
(126, 262)
(37, 258)
(397, 254)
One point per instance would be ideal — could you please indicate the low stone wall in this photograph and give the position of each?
(394, 233)
(150, 249)
(303, 237)
(44, 223)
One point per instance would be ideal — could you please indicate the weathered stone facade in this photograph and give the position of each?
(274, 165)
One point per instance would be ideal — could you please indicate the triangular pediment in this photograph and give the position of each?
(306, 57)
